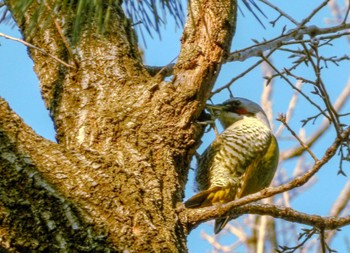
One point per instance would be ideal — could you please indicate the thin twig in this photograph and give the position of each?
(286, 213)
(60, 32)
(293, 87)
(195, 216)
(169, 66)
(339, 207)
(282, 13)
(338, 105)
(306, 235)
(165, 71)
(313, 13)
(227, 85)
(291, 35)
(266, 96)
(319, 83)
(282, 119)
(36, 48)
(291, 108)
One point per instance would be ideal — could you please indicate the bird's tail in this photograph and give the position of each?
(221, 223)
(210, 197)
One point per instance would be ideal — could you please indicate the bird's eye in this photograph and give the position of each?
(233, 103)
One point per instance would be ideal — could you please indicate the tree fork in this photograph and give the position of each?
(125, 139)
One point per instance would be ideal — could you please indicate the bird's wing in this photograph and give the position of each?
(257, 176)
(205, 163)
(206, 196)
(260, 172)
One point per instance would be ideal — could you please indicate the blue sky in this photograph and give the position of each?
(20, 87)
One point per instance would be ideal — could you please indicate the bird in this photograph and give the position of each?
(240, 161)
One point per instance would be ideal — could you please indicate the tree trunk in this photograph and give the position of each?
(125, 138)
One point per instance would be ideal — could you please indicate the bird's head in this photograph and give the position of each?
(235, 109)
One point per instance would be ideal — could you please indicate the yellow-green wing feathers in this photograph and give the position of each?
(261, 171)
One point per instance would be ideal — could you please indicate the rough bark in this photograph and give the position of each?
(124, 138)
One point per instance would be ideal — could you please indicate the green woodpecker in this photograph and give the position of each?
(241, 160)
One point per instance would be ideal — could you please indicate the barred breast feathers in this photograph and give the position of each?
(240, 161)
(226, 159)
(239, 145)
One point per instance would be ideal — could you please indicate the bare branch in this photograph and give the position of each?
(164, 71)
(339, 207)
(266, 96)
(306, 235)
(285, 213)
(341, 201)
(319, 83)
(195, 216)
(338, 105)
(258, 49)
(282, 119)
(314, 12)
(227, 85)
(292, 215)
(36, 48)
(291, 108)
(322, 241)
(202, 53)
(293, 87)
(282, 13)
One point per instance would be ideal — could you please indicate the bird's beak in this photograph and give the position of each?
(218, 107)
(215, 109)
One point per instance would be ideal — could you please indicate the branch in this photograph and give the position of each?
(333, 117)
(234, 79)
(341, 203)
(314, 12)
(164, 71)
(282, 13)
(40, 189)
(289, 214)
(294, 34)
(285, 213)
(206, 40)
(290, 110)
(56, 185)
(193, 217)
(339, 206)
(49, 158)
(293, 86)
(37, 48)
(338, 105)
(282, 119)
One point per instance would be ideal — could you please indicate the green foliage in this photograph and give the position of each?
(146, 15)
(97, 13)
